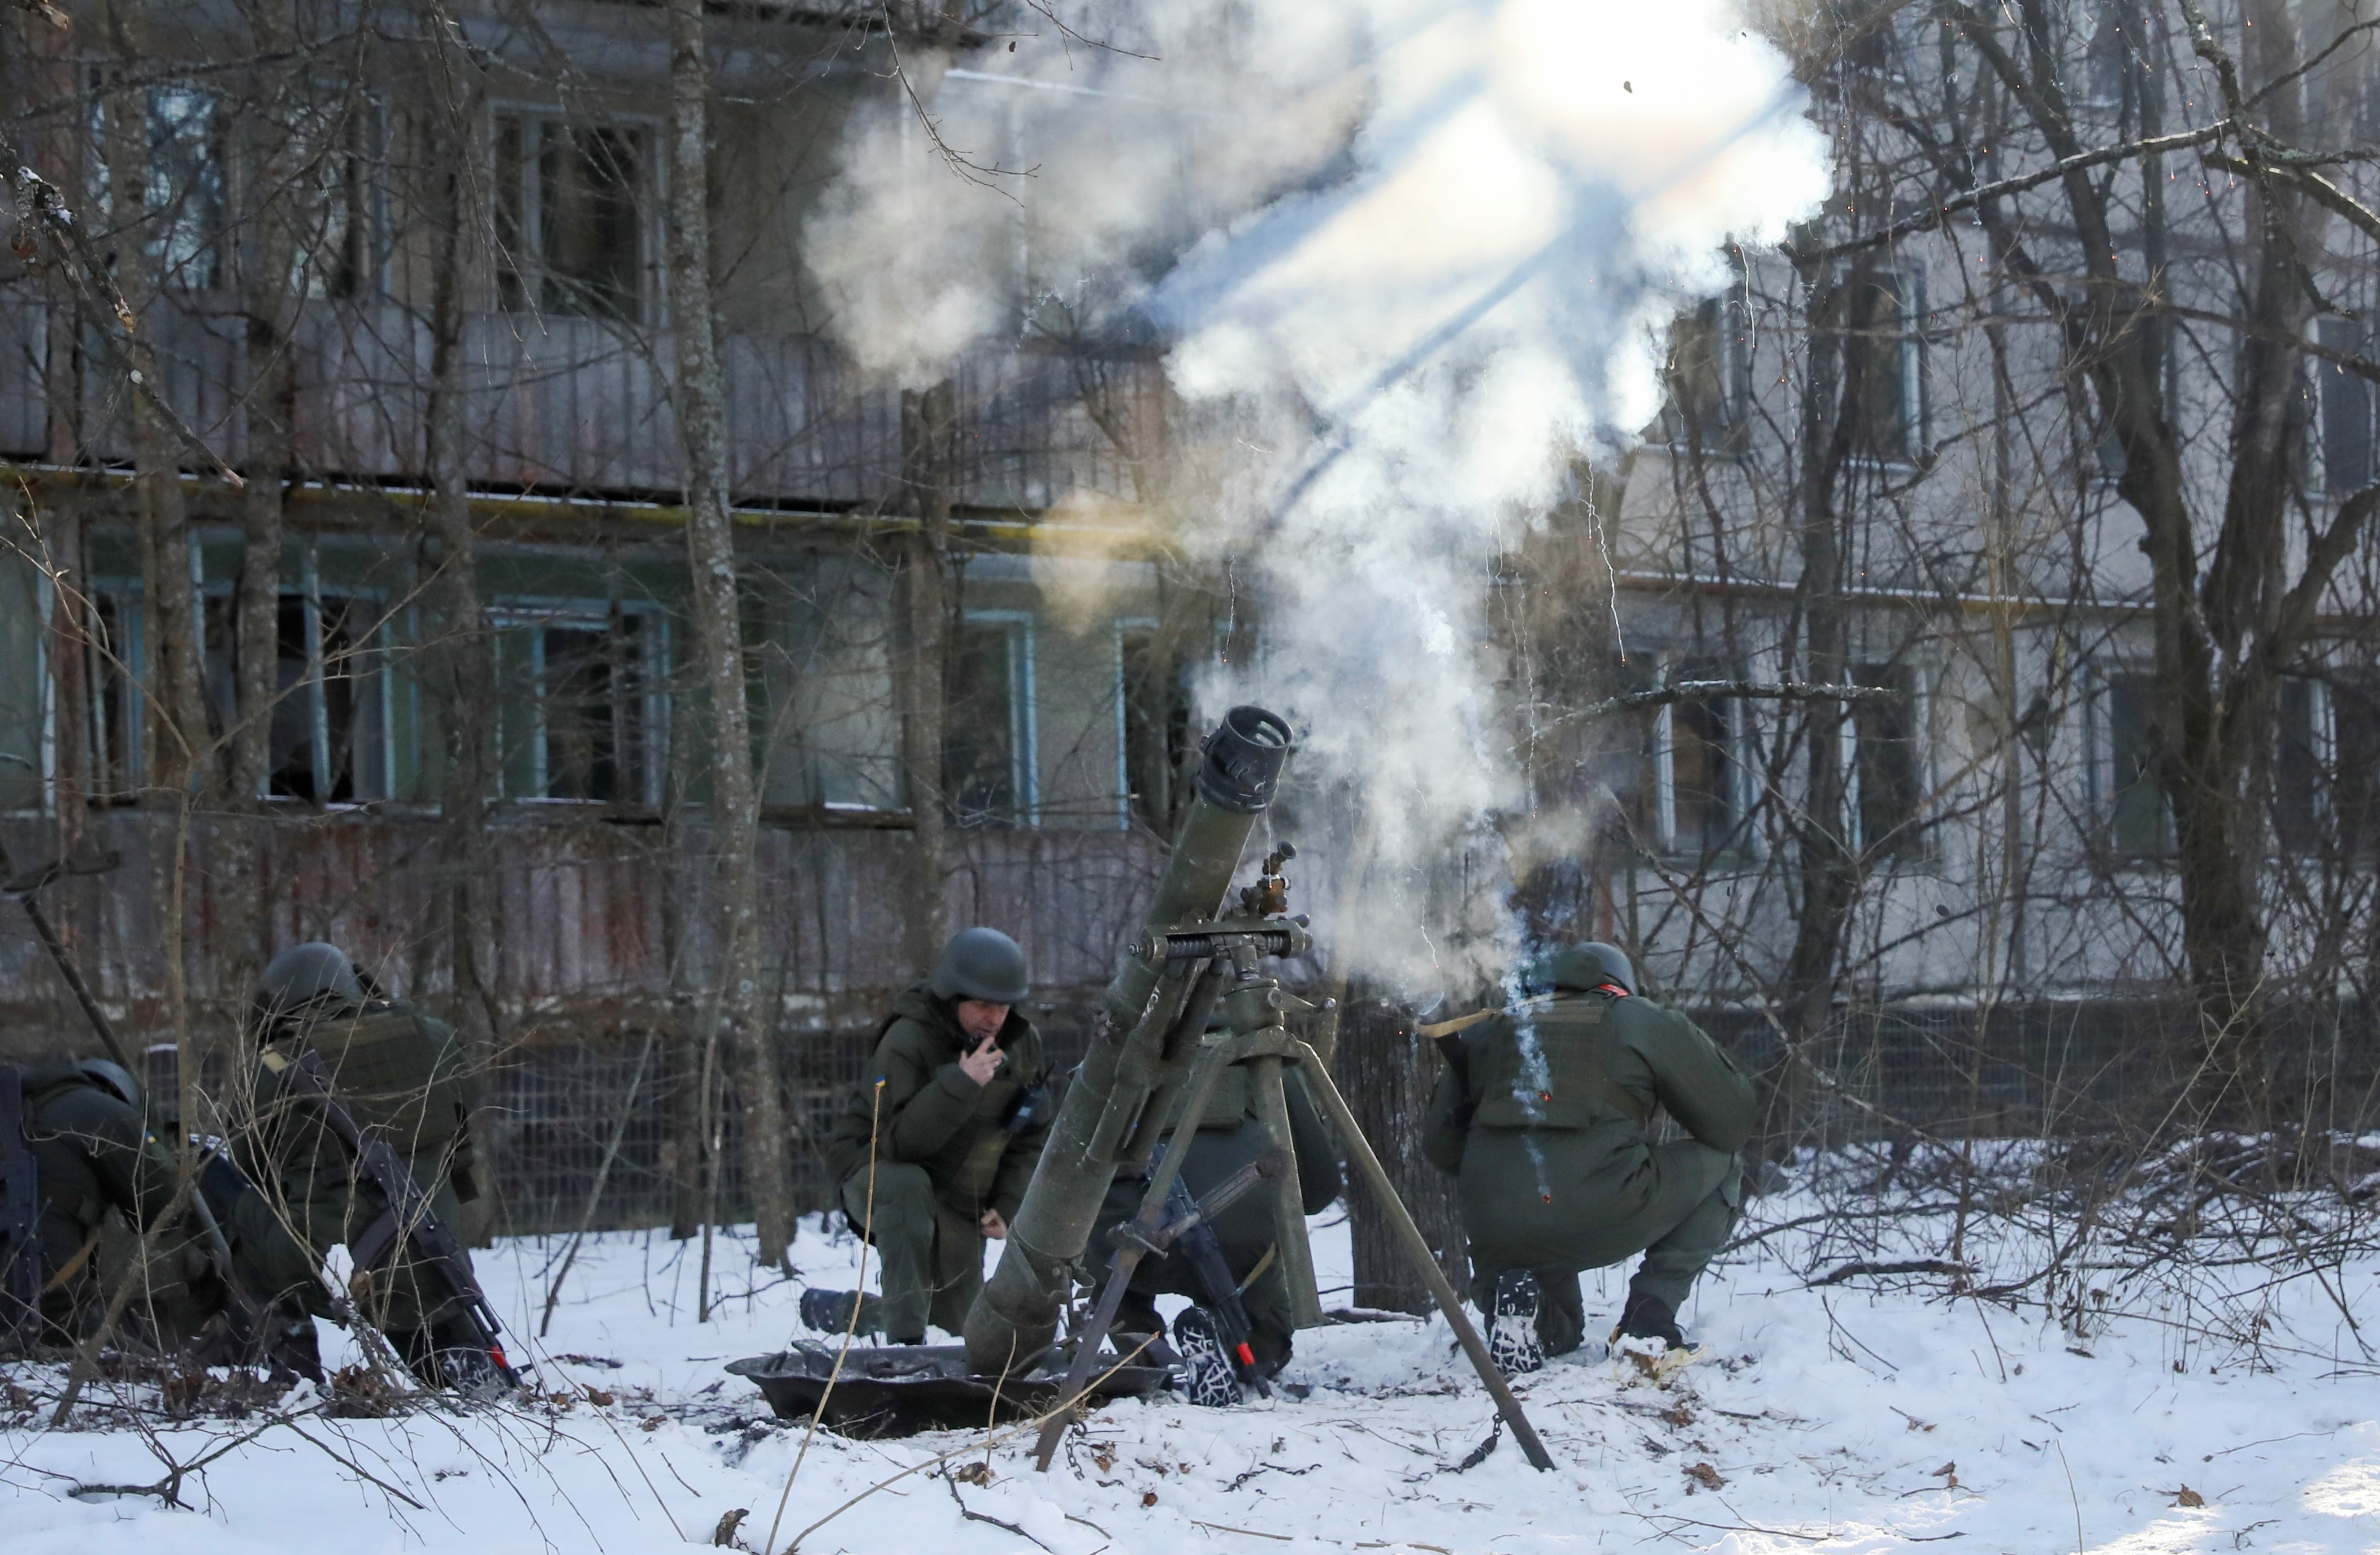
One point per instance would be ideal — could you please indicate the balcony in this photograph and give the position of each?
(567, 406)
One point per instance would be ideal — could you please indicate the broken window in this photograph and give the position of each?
(582, 714)
(1887, 768)
(987, 759)
(570, 217)
(1884, 361)
(2297, 765)
(185, 186)
(1696, 765)
(1707, 375)
(1155, 727)
(2138, 824)
(329, 742)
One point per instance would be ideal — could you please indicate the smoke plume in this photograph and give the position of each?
(1413, 262)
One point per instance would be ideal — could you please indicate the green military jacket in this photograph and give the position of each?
(931, 1115)
(1583, 1060)
(401, 1072)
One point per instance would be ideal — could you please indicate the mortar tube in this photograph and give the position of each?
(1015, 1315)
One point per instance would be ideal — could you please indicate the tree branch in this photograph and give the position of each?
(1941, 214)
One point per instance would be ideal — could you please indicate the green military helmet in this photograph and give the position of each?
(113, 1078)
(1590, 965)
(980, 963)
(302, 974)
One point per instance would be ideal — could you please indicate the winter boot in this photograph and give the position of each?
(1512, 1342)
(1207, 1377)
(829, 1311)
(1648, 1317)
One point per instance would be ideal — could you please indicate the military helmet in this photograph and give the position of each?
(302, 975)
(980, 963)
(112, 1077)
(1591, 966)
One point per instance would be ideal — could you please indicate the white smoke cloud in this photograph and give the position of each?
(1428, 250)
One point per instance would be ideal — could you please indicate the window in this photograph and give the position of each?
(583, 713)
(182, 181)
(2355, 748)
(23, 677)
(2109, 52)
(118, 714)
(330, 740)
(2138, 825)
(2298, 765)
(1887, 768)
(2347, 404)
(342, 247)
(1694, 766)
(989, 765)
(570, 217)
(1709, 375)
(1153, 724)
(1884, 363)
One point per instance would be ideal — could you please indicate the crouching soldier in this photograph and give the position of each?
(938, 1139)
(1230, 1136)
(1540, 1115)
(74, 1146)
(406, 1081)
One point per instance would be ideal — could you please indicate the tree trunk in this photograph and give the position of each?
(1828, 869)
(1387, 1071)
(458, 662)
(701, 405)
(927, 419)
(271, 406)
(177, 739)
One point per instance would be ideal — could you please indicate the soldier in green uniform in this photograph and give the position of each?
(1228, 1137)
(88, 1151)
(1541, 1115)
(406, 1079)
(937, 1141)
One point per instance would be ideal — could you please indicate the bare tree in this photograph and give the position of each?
(701, 404)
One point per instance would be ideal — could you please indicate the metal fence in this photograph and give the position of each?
(2065, 1069)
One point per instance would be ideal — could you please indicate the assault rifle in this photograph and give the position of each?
(409, 1219)
(1205, 1250)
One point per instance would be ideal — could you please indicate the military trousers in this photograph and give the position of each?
(930, 1255)
(1245, 1232)
(1556, 1202)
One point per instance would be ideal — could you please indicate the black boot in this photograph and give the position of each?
(1512, 1339)
(1648, 1317)
(1207, 1376)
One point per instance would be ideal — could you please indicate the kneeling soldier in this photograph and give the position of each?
(951, 1117)
(1541, 1113)
(406, 1080)
(1229, 1137)
(73, 1147)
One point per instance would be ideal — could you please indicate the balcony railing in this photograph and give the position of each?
(577, 407)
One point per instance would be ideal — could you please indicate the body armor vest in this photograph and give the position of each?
(401, 1082)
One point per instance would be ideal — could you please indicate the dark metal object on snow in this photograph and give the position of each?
(902, 1389)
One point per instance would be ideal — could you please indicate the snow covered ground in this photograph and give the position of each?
(1859, 1417)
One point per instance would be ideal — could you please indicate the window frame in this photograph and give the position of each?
(2106, 795)
(655, 651)
(1024, 709)
(1909, 340)
(1663, 738)
(525, 262)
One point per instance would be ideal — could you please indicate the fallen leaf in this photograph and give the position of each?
(599, 1398)
(656, 1423)
(1148, 1497)
(974, 1474)
(1948, 1470)
(1105, 1461)
(1679, 1415)
(1705, 1476)
(724, 1536)
(2188, 1497)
